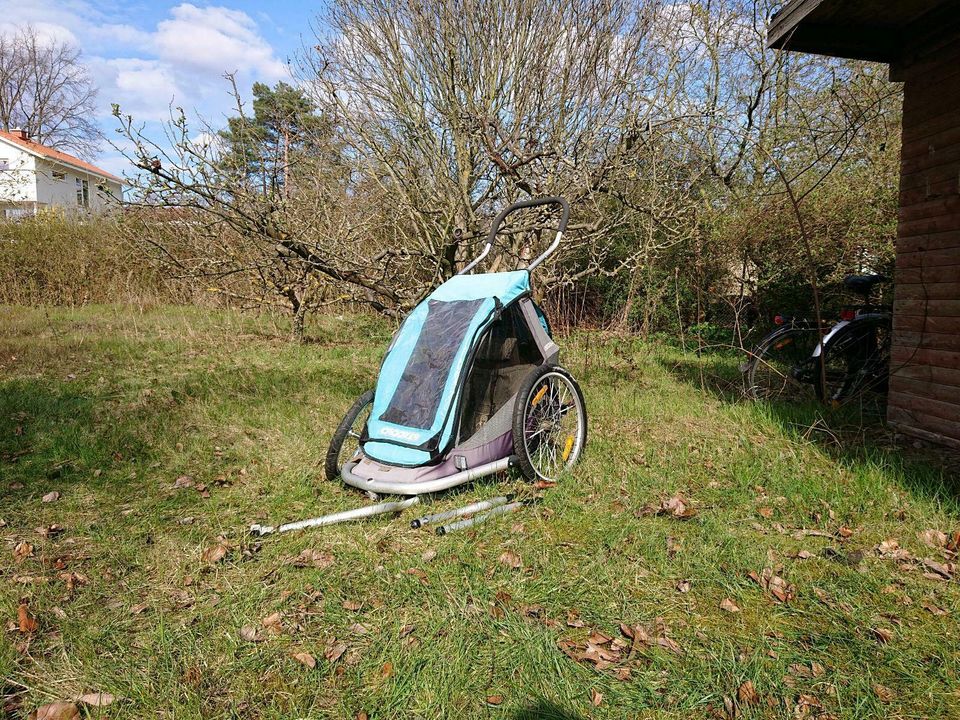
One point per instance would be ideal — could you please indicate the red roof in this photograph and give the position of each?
(57, 155)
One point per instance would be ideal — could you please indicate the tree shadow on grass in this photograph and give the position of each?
(57, 433)
(852, 434)
(545, 710)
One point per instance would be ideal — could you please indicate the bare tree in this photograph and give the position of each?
(294, 234)
(45, 90)
(454, 109)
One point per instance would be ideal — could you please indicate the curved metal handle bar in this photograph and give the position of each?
(536, 202)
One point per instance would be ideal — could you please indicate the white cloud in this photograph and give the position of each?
(143, 88)
(216, 40)
(178, 58)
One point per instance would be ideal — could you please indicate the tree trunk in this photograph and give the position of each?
(296, 328)
(298, 303)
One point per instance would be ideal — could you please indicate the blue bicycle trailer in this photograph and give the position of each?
(469, 386)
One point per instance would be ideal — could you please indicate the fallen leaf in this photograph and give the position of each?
(428, 555)
(729, 605)
(943, 570)
(747, 694)
(622, 673)
(935, 609)
(386, 670)
(884, 693)
(351, 605)
(883, 635)
(670, 644)
(511, 560)
(215, 553)
(596, 697)
(766, 512)
(335, 650)
(419, 574)
(305, 658)
(184, 481)
(933, 538)
(56, 711)
(683, 586)
(358, 629)
(139, 609)
(249, 633)
(844, 532)
(26, 622)
(544, 484)
(677, 507)
(801, 555)
(313, 558)
(272, 623)
(22, 551)
(50, 497)
(96, 699)
(494, 699)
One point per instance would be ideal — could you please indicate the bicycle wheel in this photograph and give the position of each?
(549, 423)
(345, 443)
(855, 360)
(780, 366)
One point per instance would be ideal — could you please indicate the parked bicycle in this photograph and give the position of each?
(838, 361)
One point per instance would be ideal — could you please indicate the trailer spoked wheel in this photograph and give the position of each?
(549, 423)
(345, 443)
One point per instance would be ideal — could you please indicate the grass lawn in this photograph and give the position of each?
(530, 616)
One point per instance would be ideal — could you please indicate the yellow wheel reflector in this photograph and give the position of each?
(567, 448)
(539, 396)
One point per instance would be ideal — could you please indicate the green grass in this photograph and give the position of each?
(109, 406)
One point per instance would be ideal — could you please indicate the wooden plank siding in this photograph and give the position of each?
(925, 367)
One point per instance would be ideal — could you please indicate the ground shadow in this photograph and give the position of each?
(851, 434)
(546, 710)
(56, 432)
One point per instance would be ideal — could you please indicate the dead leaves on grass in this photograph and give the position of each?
(511, 560)
(676, 507)
(26, 622)
(215, 553)
(305, 658)
(779, 589)
(729, 605)
(334, 650)
(71, 710)
(56, 711)
(22, 551)
(932, 569)
(603, 651)
(747, 694)
(312, 558)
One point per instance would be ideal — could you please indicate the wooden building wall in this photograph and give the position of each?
(924, 395)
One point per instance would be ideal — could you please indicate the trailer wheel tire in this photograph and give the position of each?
(348, 429)
(549, 423)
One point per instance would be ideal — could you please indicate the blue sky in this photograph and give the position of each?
(147, 55)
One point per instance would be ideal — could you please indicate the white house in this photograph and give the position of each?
(34, 177)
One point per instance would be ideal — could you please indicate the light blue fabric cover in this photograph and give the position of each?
(505, 287)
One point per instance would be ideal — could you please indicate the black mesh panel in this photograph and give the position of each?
(417, 397)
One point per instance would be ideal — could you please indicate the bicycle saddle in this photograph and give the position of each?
(863, 284)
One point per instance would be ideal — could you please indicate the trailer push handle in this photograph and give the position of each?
(536, 202)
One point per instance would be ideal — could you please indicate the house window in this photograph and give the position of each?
(83, 193)
(59, 176)
(4, 164)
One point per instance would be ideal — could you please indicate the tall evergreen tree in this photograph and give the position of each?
(268, 146)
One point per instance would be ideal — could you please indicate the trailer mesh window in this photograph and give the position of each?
(415, 401)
